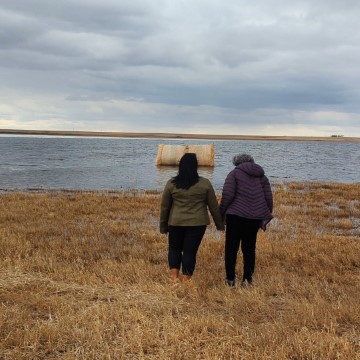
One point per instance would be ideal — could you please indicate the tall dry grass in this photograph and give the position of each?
(83, 275)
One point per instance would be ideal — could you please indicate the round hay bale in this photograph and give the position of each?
(171, 154)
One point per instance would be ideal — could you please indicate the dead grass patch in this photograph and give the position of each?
(84, 275)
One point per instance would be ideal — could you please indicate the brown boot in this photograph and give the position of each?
(174, 275)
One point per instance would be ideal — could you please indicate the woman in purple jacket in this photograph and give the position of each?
(246, 205)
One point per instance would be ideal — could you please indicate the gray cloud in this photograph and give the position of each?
(127, 64)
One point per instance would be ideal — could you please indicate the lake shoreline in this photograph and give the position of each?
(175, 135)
(134, 192)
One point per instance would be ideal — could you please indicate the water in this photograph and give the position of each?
(30, 162)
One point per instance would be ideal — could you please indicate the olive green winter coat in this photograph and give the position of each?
(181, 207)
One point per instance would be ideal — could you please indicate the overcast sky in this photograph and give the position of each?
(267, 67)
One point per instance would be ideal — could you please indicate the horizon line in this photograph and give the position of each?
(164, 135)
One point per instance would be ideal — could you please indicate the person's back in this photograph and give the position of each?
(189, 206)
(247, 192)
(184, 215)
(246, 204)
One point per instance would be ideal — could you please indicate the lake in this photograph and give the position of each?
(93, 163)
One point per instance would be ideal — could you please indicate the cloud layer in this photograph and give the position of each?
(268, 67)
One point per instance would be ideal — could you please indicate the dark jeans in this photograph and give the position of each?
(242, 230)
(184, 242)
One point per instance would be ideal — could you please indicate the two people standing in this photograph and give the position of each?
(246, 205)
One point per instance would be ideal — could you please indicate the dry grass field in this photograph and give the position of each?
(83, 275)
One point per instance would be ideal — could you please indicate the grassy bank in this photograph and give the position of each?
(83, 275)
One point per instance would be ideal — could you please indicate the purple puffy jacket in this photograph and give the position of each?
(247, 193)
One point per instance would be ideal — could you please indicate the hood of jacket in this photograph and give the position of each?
(251, 169)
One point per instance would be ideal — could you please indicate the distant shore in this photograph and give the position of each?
(176, 136)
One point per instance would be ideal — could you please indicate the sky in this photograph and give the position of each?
(265, 67)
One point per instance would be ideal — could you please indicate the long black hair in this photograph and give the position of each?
(188, 175)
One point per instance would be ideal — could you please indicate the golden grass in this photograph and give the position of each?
(83, 275)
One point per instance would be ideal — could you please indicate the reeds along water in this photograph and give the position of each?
(84, 275)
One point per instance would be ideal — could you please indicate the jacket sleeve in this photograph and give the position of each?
(228, 193)
(267, 193)
(214, 208)
(165, 207)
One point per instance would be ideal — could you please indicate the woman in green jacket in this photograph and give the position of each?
(184, 216)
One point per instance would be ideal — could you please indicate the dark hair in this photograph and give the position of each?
(188, 175)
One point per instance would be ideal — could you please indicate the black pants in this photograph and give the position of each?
(184, 242)
(242, 230)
